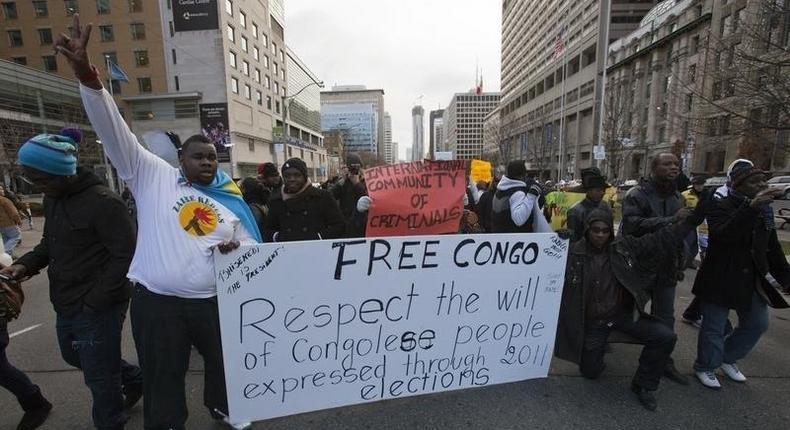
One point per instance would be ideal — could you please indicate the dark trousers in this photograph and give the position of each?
(91, 342)
(690, 248)
(662, 306)
(11, 378)
(658, 339)
(165, 328)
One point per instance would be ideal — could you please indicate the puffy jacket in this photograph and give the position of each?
(311, 215)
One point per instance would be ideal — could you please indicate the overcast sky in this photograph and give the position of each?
(408, 48)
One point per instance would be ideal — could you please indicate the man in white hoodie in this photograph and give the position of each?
(515, 208)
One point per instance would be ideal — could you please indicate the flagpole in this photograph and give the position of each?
(561, 162)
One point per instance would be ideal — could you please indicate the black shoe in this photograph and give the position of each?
(646, 397)
(671, 373)
(36, 416)
(132, 394)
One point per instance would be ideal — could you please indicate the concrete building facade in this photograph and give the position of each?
(418, 133)
(390, 154)
(552, 67)
(463, 123)
(359, 112)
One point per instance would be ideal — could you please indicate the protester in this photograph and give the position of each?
(514, 208)
(269, 176)
(185, 214)
(594, 185)
(605, 289)
(10, 195)
(347, 191)
(649, 206)
(301, 211)
(35, 406)
(256, 195)
(744, 249)
(690, 199)
(87, 245)
(484, 205)
(9, 223)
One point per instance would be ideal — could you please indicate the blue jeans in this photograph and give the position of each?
(715, 347)
(91, 342)
(11, 237)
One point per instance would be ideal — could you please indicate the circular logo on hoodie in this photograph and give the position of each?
(197, 218)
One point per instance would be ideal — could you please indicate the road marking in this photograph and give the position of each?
(23, 331)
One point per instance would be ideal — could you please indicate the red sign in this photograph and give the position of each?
(417, 198)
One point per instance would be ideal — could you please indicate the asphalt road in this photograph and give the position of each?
(563, 401)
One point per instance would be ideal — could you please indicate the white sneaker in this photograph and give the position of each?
(732, 372)
(708, 379)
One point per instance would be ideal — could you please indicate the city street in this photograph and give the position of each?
(564, 400)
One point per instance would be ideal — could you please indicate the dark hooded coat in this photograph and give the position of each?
(630, 258)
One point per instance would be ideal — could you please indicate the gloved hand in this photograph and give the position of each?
(363, 204)
(564, 233)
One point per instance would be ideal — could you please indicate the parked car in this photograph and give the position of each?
(715, 182)
(781, 183)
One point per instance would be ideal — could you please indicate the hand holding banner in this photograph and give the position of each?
(417, 198)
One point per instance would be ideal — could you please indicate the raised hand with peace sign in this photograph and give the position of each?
(75, 50)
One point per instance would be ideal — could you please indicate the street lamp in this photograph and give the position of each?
(286, 128)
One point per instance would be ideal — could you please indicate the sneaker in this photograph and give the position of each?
(732, 372)
(708, 379)
(694, 322)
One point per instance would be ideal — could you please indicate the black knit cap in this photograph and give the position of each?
(295, 163)
(516, 169)
(268, 170)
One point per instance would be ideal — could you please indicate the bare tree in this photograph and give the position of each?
(541, 147)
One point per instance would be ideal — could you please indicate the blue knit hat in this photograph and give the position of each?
(51, 154)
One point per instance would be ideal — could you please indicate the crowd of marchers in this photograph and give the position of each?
(154, 258)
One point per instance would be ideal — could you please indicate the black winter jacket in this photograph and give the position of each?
(88, 244)
(347, 195)
(311, 215)
(577, 216)
(741, 251)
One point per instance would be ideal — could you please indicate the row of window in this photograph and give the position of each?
(106, 34)
(41, 8)
(247, 91)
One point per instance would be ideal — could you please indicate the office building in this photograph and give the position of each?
(359, 112)
(390, 155)
(436, 130)
(418, 133)
(395, 153)
(545, 105)
(463, 123)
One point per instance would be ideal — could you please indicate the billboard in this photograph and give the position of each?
(192, 15)
(214, 125)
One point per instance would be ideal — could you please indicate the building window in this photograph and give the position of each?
(251, 144)
(256, 54)
(171, 28)
(102, 6)
(141, 58)
(175, 58)
(40, 8)
(135, 5)
(111, 56)
(234, 85)
(45, 36)
(20, 60)
(50, 63)
(15, 38)
(138, 31)
(244, 44)
(276, 69)
(254, 30)
(259, 97)
(178, 84)
(116, 88)
(282, 56)
(266, 61)
(9, 10)
(245, 68)
(229, 7)
(258, 75)
(71, 7)
(243, 19)
(269, 102)
(265, 40)
(144, 85)
(106, 33)
(282, 73)
(247, 92)
(277, 107)
(274, 49)
(231, 33)
(232, 59)
(268, 82)
(276, 87)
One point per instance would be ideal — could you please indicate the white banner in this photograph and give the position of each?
(315, 325)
